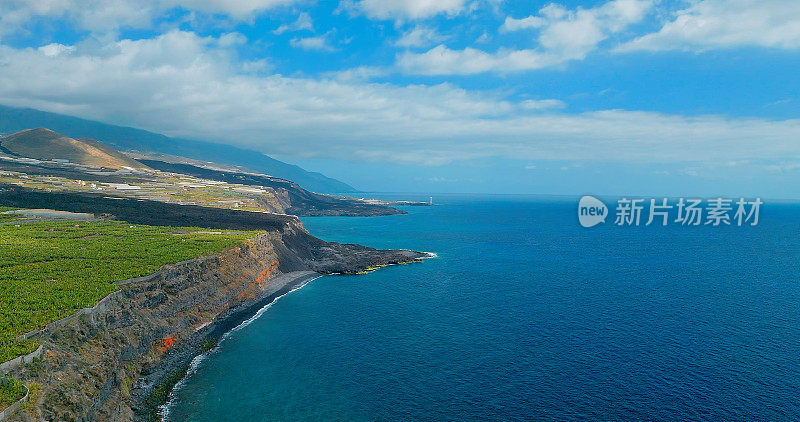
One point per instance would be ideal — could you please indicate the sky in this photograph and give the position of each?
(635, 97)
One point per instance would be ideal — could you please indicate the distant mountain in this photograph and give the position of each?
(13, 119)
(44, 144)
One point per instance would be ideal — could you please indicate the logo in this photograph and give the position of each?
(591, 211)
(714, 212)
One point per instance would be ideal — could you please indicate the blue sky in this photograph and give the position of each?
(605, 97)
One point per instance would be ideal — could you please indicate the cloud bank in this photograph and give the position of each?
(714, 24)
(404, 9)
(185, 85)
(111, 15)
(561, 35)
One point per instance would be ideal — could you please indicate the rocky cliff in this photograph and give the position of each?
(118, 360)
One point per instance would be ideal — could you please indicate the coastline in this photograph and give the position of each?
(143, 339)
(239, 318)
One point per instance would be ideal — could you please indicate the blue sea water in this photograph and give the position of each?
(525, 315)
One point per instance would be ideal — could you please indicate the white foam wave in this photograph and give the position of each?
(163, 410)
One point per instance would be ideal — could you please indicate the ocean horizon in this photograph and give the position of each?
(217, 210)
(523, 315)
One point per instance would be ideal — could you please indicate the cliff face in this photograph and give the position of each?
(117, 361)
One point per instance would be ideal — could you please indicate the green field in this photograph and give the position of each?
(10, 391)
(50, 269)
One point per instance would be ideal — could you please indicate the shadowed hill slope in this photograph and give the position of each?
(140, 211)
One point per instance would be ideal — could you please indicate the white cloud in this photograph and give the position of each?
(530, 22)
(356, 74)
(318, 43)
(185, 85)
(111, 15)
(404, 9)
(231, 39)
(563, 35)
(239, 9)
(303, 23)
(583, 29)
(784, 167)
(542, 104)
(441, 60)
(713, 24)
(420, 36)
(55, 49)
(92, 15)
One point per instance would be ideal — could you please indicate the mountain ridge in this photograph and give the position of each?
(128, 139)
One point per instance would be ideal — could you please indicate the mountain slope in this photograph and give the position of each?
(176, 183)
(13, 119)
(300, 201)
(44, 144)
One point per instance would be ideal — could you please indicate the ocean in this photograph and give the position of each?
(524, 315)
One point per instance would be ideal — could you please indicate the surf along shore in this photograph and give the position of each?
(120, 359)
(281, 285)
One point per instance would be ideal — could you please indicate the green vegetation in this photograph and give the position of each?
(34, 391)
(50, 269)
(11, 348)
(11, 390)
(208, 345)
(379, 266)
(161, 392)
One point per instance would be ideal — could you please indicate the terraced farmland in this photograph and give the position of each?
(50, 269)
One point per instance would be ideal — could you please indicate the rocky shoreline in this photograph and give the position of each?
(149, 402)
(119, 362)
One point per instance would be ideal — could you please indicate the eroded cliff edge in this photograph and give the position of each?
(118, 360)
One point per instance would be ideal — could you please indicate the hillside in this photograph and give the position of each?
(177, 183)
(44, 144)
(300, 201)
(13, 119)
(107, 315)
